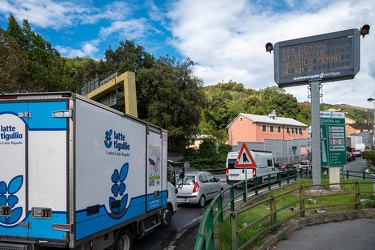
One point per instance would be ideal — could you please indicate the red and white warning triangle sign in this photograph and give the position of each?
(245, 159)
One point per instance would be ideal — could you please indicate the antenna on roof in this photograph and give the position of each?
(273, 115)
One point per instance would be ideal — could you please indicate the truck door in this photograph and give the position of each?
(33, 169)
(13, 169)
(155, 173)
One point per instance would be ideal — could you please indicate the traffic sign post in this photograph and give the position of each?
(245, 158)
(333, 144)
(314, 60)
(332, 139)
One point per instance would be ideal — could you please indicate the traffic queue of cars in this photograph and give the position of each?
(198, 187)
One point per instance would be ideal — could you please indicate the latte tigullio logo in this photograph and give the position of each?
(108, 138)
(118, 189)
(8, 198)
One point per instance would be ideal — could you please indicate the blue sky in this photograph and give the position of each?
(225, 39)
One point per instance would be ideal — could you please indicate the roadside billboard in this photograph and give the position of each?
(327, 57)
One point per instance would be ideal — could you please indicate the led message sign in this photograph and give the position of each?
(328, 57)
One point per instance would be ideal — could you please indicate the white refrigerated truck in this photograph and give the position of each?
(76, 174)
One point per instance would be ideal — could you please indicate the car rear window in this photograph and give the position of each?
(188, 180)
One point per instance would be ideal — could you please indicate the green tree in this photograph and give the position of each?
(45, 70)
(127, 57)
(169, 96)
(13, 62)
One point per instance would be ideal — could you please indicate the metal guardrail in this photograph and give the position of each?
(205, 238)
(359, 174)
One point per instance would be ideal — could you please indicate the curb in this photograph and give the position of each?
(184, 233)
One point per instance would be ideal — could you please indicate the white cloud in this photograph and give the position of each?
(70, 52)
(62, 14)
(227, 38)
(88, 49)
(130, 29)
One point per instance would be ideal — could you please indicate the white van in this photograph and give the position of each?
(264, 166)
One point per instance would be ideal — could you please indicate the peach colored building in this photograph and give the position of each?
(255, 128)
(352, 129)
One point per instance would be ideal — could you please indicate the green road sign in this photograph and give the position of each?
(332, 139)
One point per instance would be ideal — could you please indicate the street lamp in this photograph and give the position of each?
(269, 47)
(373, 138)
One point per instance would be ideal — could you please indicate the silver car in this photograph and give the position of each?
(197, 187)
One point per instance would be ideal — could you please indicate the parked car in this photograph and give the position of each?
(357, 153)
(304, 165)
(349, 156)
(197, 187)
(284, 167)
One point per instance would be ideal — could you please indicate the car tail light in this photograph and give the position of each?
(196, 187)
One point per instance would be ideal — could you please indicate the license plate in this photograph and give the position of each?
(182, 199)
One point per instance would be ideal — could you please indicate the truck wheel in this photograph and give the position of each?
(166, 216)
(202, 201)
(124, 240)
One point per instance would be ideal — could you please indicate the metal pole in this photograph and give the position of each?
(315, 132)
(373, 132)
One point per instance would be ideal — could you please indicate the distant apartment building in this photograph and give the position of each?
(256, 128)
(198, 139)
(353, 129)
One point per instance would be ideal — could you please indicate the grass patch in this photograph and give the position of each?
(249, 222)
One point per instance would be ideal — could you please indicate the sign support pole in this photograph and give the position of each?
(315, 132)
(246, 183)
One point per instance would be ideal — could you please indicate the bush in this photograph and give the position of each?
(209, 155)
(370, 157)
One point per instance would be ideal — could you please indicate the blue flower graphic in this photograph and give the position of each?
(107, 141)
(8, 198)
(119, 188)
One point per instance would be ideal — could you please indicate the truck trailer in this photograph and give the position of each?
(76, 174)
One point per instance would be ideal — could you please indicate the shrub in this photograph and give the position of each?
(370, 157)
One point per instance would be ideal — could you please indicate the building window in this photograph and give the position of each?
(288, 130)
(300, 131)
(279, 129)
(271, 129)
(264, 128)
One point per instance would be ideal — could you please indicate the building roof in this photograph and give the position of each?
(270, 119)
(361, 126)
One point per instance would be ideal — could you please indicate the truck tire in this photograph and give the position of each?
(124, 240)
(202, 201)
(166, 217)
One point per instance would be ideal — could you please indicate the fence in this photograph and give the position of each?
(300, 201)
